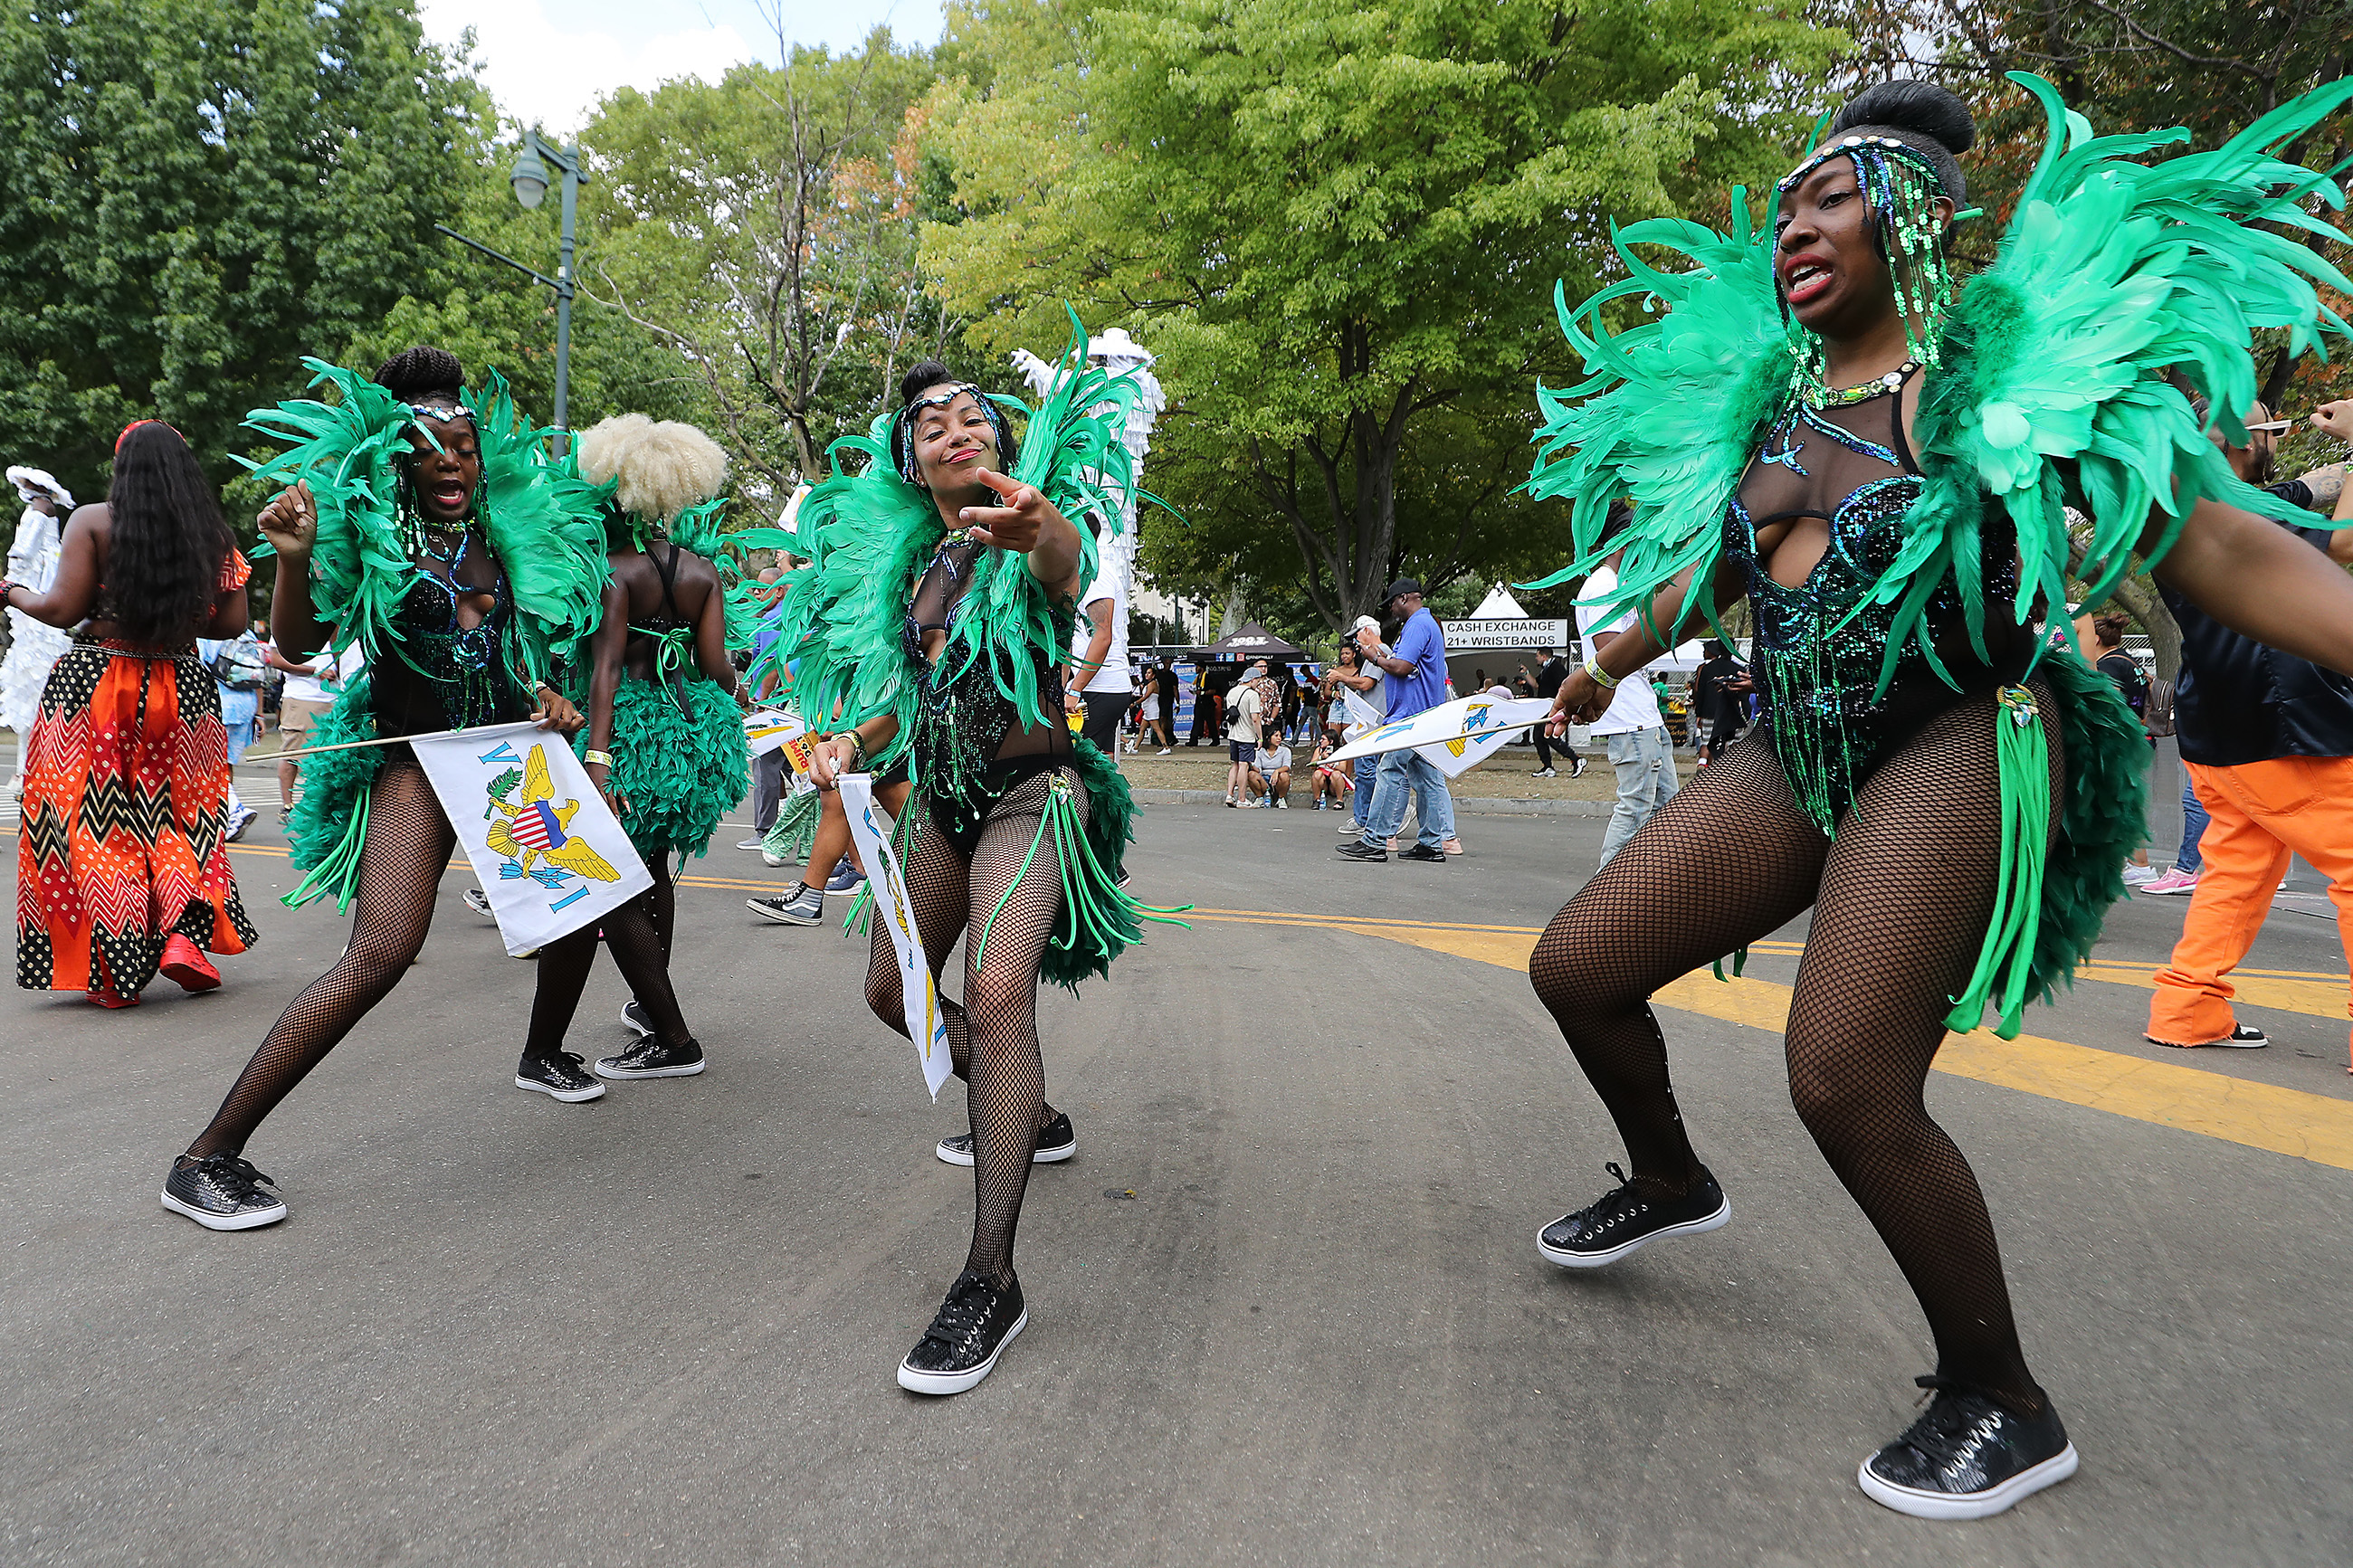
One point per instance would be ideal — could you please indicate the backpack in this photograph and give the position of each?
(238, 665)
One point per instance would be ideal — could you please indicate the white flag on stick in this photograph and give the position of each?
(534, 830)
(766, 728)
(870, 825)
(1453, 735)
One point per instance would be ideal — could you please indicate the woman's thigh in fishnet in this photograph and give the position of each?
(937, 881)
(1728, 861)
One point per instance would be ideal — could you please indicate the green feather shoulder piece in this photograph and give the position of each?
(546, 525)
(1669, 410)
(867, 532)
(2112, 275)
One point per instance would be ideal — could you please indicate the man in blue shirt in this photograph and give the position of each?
(1414, 681)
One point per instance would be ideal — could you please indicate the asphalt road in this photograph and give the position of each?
(1285, 1305)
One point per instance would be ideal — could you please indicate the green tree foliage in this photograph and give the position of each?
(762, 230)
(1340, 225)
(193, 193)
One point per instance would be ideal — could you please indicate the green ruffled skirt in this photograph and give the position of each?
(678, 771)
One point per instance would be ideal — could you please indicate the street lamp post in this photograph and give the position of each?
(530, 179)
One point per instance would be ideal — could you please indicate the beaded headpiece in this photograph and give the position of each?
(903, 429)
(1902, 185)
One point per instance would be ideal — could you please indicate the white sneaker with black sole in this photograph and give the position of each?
(563, 1076)
(806, 906)
(1624, 1220)
(1056, 1143)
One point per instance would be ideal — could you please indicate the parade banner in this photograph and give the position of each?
(767, 729)
(1453, 735)
(870, 825)
(546, 849)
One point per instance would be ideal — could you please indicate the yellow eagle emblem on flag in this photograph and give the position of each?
(534, 828)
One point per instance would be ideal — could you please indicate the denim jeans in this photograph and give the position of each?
(1645, 761)
(2193, 828)
(1360, 799)
(1403, 773)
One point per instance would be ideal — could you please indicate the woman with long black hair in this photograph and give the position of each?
(427, 525)
(1825, 421)
(120, 866)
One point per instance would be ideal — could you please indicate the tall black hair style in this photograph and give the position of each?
(165, 540)
(423, 374)
(1925, 116)
(921, 378)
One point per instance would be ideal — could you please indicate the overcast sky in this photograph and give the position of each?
(549, 60)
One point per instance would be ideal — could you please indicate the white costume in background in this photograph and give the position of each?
(34, 647)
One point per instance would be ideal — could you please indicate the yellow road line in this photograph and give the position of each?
(2258, 1115)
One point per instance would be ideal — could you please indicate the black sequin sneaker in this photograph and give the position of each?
(1967, 1457)
(633, 1014)
(1607, 1230)
(975, 1324)
(651, 1058)
(222, 1192)
(562, 1076)
(1056, 1143)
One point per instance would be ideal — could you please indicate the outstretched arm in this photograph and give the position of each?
(2260, 580)
(1620, 655)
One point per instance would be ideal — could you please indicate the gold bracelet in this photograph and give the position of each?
(1601, 677)
(602, 759)
(858, 751)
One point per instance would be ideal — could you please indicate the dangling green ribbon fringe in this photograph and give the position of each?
(2023, 755)
(1739, 963)
(339, 873)
(1095, 910)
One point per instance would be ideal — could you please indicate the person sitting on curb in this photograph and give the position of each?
(1270, 774)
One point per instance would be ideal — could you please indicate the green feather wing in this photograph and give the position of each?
(1670, 410)
(2113, 275)
(546, 525)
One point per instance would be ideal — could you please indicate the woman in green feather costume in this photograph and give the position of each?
(1824, 421)
(427, 524)
(665, 738)
(930, 627)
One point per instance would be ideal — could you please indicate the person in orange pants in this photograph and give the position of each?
(2268, 740)
(2262, 812)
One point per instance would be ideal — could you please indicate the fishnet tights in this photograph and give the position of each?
(993, 1035)
(408, 843)
(637, 934)
(1901, 900)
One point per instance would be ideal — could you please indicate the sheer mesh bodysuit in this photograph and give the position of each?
(1900, 897)
(407, 846)
(962, 851)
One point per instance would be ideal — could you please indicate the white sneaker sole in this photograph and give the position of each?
(949, 1156)
(915, 1382)
(249, 1221)
(1715, 1221)
(1975, 1505)
(606, 1069)
(569, 1095)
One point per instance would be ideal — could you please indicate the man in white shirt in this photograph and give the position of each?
(1245, 711)
(1631, 729)
(1098, 679)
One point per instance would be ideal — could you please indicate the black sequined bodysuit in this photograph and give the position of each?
(1852, 468)
(437, 674)
(970, 747)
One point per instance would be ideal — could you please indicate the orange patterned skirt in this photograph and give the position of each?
(126, 772)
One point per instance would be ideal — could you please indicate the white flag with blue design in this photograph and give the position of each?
(1455, 736)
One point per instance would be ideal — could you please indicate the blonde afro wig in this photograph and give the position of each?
(663, 466)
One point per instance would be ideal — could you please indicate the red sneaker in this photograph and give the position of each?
(184, 964)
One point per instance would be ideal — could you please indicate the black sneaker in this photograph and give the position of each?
(1056, 1143)
(1967, 1457)
(1577, 767)
(633, 1014)
(651, 1058)
(1423, 852)
(1360, 850)
(975, 1324)
(222, 1192)
(562, 1076)
(805, 908)
(1607, 1230)
(2243, 1036)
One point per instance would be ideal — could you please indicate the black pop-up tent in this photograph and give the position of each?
(1249, 642)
